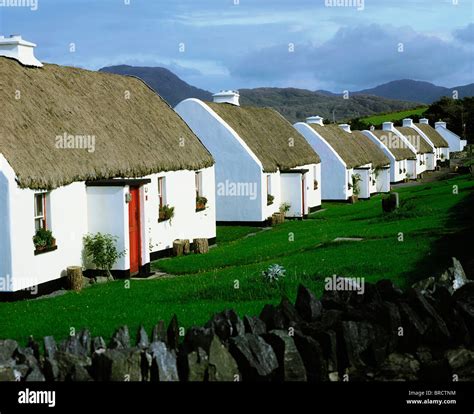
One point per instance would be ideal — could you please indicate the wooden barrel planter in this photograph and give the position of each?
(181, 247)
(201, 246)
(390, 203)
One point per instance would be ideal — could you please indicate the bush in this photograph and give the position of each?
(43, 238)
(101, 250)
(285, 207)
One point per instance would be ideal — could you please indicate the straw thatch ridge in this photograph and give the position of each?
(420, 144)
(434, 136)
(354, 148)
(135, 131)
(271, 137)
(395, 144)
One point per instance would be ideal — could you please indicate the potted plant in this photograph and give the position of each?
(201, 203)
(270, 199)
(315, 185)
(43, 239)
(166, 213)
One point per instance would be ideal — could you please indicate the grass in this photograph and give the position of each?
(393, 117)
(430, 220)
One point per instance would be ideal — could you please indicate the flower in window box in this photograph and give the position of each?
(270, 199)
(315, 185)
(43, 239)
(201, 203)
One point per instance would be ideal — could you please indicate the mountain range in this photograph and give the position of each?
(296, 104)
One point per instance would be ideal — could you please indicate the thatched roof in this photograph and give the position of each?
(133, 137)
(395, 144)
(354, 148)
(416, 140)
(271, 137)
(434, 136)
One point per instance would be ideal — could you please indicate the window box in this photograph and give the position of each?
(165, 213)
(45, 249)
(201, 203)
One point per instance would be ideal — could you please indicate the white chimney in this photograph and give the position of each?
(346, 127)
(17, 48)
(387, 126)
(315, 120)
(230, 97)
(372, 128)
(424, 121)
(408, 122)
(440, 124)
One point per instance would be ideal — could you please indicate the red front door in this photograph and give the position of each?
(134, 225)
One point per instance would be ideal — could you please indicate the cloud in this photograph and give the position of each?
(357, 57)
(466, 34)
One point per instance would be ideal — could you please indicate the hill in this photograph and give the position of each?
(416, 91)
(169, 86)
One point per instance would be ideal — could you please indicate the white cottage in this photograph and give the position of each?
(85, 152)
(416, 144)
(261, 161)
(397, 151)
(351, 164)
(454, 141)
(440, 145)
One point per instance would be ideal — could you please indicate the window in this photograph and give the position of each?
(161, 191)
(40, 211)
(198, 184)
(269, 184)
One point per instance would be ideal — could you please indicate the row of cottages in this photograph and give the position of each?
(351, 163)
(85, 152)
(262, 163)
(455, 142)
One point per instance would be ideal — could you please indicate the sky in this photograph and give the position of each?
(335, 45)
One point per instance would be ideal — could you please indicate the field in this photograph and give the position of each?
(433, 224)
(392, 117)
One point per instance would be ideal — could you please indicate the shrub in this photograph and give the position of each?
(101, 250)
(270, 199)
(165, 213)
(274, 278)
(356, 179)
(285, 207)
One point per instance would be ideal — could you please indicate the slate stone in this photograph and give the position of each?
(35, 375)
(255, 357)
(399, 367)
(254, 325)
(164, 365)
(198, 337)
(172, 333)
(222, 366)
(7, 349)
(328, 341)
(198, 364)
(414, 328)
(358, 338)
(119, 365)
(98, 344)
(272, 317)
(312, 356)
(120, 339)
(7, 374)
(388, 291)
(307, 305)
(290, 363)
(159, 333)
(142, 338)
(64, 365)
(50, 346)
(226, 325)
(34, 346)
(461, 362)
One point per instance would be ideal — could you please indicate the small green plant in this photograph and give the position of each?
(43, 238)
(101, 251)
(356, 179)
(270, 199)
(201, 203)
(315, 185)
(285, 207)
(165, 213)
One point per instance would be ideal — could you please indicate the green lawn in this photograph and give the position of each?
(431, 220)
(393, 117)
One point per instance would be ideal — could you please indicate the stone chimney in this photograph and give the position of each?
(387, 126)
(315, 120)
(424, 121)
(16, 48)
(408, 122)
(346, 127)
(230, 97)
(440, 124)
